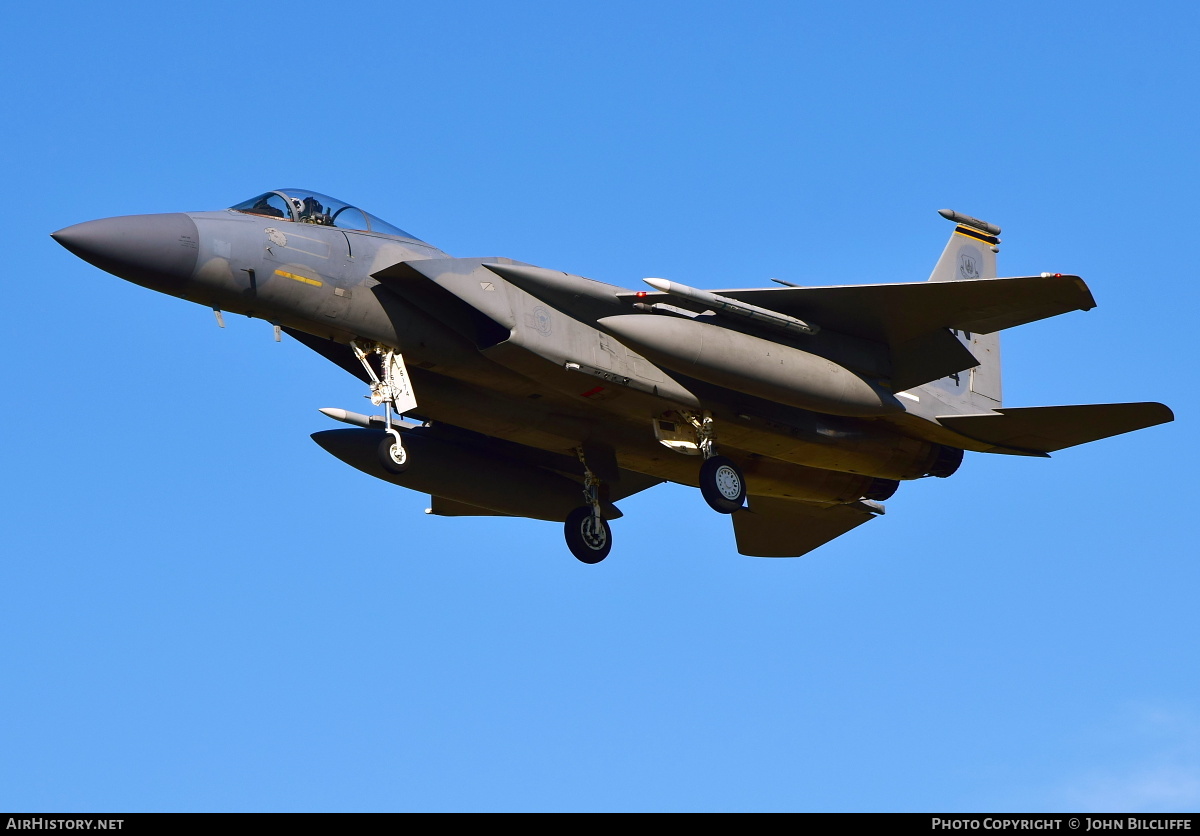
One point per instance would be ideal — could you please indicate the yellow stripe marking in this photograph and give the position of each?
(973, 233)
(303, 279)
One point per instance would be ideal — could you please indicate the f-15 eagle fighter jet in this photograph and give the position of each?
(514, 390)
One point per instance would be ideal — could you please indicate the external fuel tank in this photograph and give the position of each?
(751, 365)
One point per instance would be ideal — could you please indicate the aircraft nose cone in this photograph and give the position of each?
(158, 251)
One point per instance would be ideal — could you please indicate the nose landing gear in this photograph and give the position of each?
(393, 390)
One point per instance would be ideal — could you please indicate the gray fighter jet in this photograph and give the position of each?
(509, 389)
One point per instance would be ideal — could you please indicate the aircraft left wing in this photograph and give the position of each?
(773, 527)
(621, 483)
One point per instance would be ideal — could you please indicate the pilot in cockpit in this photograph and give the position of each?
(310, 211)
(304, 206)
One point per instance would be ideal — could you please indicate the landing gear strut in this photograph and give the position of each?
(394, 392)
(588, 536)
(722, 483)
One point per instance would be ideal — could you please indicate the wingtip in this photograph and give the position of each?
(1164, 414)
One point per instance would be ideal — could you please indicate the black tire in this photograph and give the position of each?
(387, 456)
(722, 484)
(587, 544)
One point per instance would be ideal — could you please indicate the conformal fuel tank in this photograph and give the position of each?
(751, 365)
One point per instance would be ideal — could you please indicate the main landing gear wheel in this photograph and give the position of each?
(722, 484)
(392, 455)
(588, 537)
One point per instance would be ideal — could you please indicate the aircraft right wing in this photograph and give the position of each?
(1045, 429)
(773, 527)
(897, 313)
(913, 320)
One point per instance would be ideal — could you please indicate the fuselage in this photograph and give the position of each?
(523, 383)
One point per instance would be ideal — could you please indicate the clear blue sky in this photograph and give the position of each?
(202, 610)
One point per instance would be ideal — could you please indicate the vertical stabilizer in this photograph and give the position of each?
(971, 254)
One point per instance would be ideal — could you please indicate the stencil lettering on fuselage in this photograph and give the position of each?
(313, 247)
(304, 264)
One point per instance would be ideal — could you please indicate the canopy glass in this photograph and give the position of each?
(309, 207)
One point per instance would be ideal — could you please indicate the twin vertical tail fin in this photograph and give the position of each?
(971, 251)
(971, 254)
(974, 395)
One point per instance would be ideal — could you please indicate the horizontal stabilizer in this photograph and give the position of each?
(1044, 429)
(898, 313)
(782, 528)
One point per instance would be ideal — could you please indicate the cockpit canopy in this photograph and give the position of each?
(309, 207)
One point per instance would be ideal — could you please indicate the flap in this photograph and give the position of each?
(1044, 429)
(897, 313)
(773, 527)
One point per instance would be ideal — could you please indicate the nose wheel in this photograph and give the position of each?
(392, 453)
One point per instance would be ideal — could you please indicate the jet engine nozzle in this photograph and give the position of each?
(155, 251)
